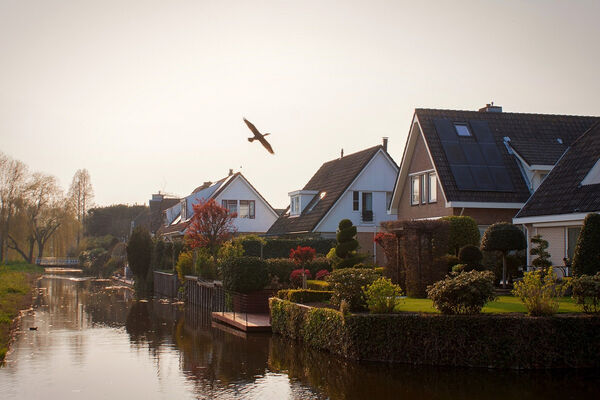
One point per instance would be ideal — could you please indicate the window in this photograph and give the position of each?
(462, 129)
(355, 201)
(246, 209)
(230, 205)
(414, 194)
(432, 187)
(593, 176)
(295, 205)
(367, 206)
(423, 188)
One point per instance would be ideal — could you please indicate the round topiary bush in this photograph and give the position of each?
(465, 293)
(471, 256)
(347, 285)
(245, 274)
(503, 237)
(463, 231)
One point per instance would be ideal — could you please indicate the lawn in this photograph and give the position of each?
(15, 286)
(504, 304)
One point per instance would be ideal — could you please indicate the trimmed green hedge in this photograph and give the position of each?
(305, 295)
(280, 248)
(317, 285)
(491, 341)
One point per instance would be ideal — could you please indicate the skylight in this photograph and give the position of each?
(462, 129)
(592, 177)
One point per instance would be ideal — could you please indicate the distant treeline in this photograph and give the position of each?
(113, 220)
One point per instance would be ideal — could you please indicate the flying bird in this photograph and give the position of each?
(259, 136)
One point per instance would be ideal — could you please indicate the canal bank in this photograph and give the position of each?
(16, 295)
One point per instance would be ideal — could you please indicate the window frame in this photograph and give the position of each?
(463, 125)
(251, 209)
(225, 203)
(413, 179)
(429, 186)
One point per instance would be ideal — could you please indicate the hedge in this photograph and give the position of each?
(280, 248)
(317, 285)
(490, 341)
(305, 295)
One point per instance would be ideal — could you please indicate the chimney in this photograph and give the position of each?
(385, 142)
(491, 108)
(342, 153)
(230, 172)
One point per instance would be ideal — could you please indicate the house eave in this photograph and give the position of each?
(483, 204)
(552, 218)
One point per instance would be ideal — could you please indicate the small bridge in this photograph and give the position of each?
(57, 261)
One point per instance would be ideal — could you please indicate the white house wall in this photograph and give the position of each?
(264, 216)
(378, 177)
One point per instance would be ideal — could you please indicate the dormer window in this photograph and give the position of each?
(462, 130)
(295, 205)
(592, 177)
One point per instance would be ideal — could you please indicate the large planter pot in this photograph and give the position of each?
(254, 302)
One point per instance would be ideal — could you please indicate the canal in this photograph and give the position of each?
(94, 341)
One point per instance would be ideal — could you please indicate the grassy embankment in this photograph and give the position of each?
(503, 304)
(15, 288)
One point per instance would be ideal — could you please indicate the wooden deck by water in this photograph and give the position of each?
(244, 322)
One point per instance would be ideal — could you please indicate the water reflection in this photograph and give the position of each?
(95, 341)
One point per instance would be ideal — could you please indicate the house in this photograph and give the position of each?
(357, 186)
(484, 164)
(570, 192)
(158, 204)
(234, 192)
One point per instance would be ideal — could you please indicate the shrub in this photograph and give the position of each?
(302, 255)
(458, 268)
(185, 265)
(205, 266)
(465, 293)
(463, 231)
(347, 285)
(586, 259)
(347, 245)
(280, 268)
(539, 292)
(542, 261)
(380, 270)
(139, 252)
(317, 285)
(318, 264)
(382, 296)
(305, 295)
(244, 274)
(322, 274)
(230, 249)
(296, 276)
(503, 237)
(586, 292)
(471, 256)
(450, 260)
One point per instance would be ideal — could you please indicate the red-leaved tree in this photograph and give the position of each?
(302, 255)
(210, 227)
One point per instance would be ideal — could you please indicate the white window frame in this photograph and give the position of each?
(431, 175)
(413, 179)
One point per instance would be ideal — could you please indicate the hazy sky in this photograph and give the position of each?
(150, 95)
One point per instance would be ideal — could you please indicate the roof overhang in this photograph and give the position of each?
(482, 204)
(551, 218)
(411, 141)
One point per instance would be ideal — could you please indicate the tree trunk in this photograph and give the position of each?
(504, 270)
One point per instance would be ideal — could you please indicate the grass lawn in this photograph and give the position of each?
(15, 286)
(504, 304)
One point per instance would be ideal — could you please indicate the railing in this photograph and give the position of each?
(166, 284)
(56, 261)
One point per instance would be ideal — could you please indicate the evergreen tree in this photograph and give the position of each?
(586, 259)
(347, 245)
(542, 261)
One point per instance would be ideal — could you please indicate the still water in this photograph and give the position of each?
(94, 341)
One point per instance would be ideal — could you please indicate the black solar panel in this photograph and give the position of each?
(475, 161)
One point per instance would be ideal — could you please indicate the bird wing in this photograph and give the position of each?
(252, 128)
(266, 145)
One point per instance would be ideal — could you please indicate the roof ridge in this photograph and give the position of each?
(507, 112)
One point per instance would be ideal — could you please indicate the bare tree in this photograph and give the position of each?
(81, 194)
(13, 176)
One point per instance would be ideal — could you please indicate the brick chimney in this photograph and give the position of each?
(491, 108)
(385, 142)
